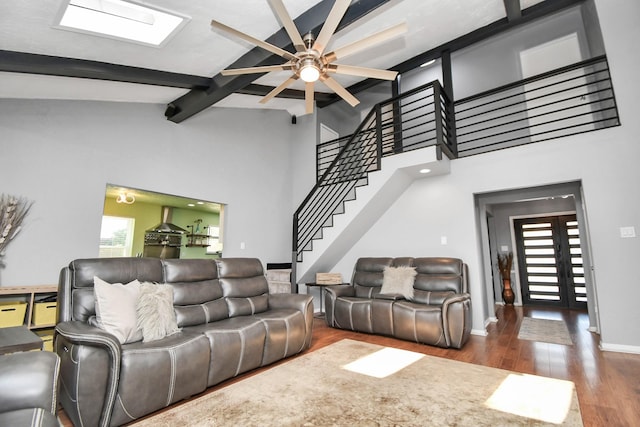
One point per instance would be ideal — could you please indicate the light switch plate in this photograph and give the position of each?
(626, 232)
(443, 240)
(504, 248)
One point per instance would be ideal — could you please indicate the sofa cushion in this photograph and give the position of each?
(247, 306)
(236, 346)
(353, 313)
(81, 305)
(368, 276)
(285, 333)
(398, 280)
(116, 309)
(419, 323)
(156, 317)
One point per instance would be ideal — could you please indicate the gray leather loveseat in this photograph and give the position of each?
(437, 313)
(229, 324)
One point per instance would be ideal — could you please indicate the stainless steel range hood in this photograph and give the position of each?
(166, 226)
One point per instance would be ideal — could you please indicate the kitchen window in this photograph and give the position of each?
(116, 237)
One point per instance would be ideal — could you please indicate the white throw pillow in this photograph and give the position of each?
(116, 309)
(156, 316)
(399, 280)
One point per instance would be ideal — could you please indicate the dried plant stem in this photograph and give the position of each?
(13, 210)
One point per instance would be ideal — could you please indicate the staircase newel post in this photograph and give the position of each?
(378, 108)
(437, 105)
(294, 255)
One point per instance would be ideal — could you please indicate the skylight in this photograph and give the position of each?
(123, 20)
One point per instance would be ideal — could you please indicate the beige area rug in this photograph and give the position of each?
(545, 330)
(351, 383)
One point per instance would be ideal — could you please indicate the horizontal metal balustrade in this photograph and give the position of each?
(570, 100)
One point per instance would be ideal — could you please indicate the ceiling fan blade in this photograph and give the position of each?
(308, 97)
(279, 89)
(266, 46)
(352, 70)
(288, 24)
(335, 16)
(255, 70)
(341, 91)
(367, 42)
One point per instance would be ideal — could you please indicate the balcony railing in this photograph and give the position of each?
(574, 99)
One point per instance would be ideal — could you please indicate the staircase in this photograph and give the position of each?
(332, 218)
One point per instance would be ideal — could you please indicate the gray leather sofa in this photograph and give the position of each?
(439, 313)
(229, 323)
(28, 389)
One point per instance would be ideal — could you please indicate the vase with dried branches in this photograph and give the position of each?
(13, 210)
(505, 261)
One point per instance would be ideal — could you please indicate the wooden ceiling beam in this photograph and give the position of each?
(221, 87)
(31, 63)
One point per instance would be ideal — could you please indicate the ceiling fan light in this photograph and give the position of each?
(309, 72)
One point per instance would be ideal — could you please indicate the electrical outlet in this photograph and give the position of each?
(626, 232)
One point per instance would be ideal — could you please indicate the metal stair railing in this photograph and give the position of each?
(416, 119)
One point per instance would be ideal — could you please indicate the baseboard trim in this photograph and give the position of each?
(479, 332)
(620, 348)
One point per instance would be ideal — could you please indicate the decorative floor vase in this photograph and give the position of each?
(507, 293)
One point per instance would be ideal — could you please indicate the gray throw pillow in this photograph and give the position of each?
(156, 316)
(398, 280)
(116, 309)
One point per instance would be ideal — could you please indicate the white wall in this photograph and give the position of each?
(62, 154)
(605, 161)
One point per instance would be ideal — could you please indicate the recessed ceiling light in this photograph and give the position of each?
(201, 203)
(425, 170)
(190, 205)
(426, 64)
(123, 20)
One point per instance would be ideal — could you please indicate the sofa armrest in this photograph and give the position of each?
(456, 316)
(330, 296)
(297, 301)
(90, 367)
(29, 380)
(301, 302)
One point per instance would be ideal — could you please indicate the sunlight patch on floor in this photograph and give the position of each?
(384, 362)
(540, 398)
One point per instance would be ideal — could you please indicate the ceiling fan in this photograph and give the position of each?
(310, 63)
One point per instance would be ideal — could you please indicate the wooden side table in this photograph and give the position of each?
(18, 338)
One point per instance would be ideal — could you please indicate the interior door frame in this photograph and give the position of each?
(484, 203)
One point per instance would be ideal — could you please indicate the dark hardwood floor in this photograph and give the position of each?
(607, 383)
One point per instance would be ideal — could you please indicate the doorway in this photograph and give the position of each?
(550, 263)
(496, 212)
